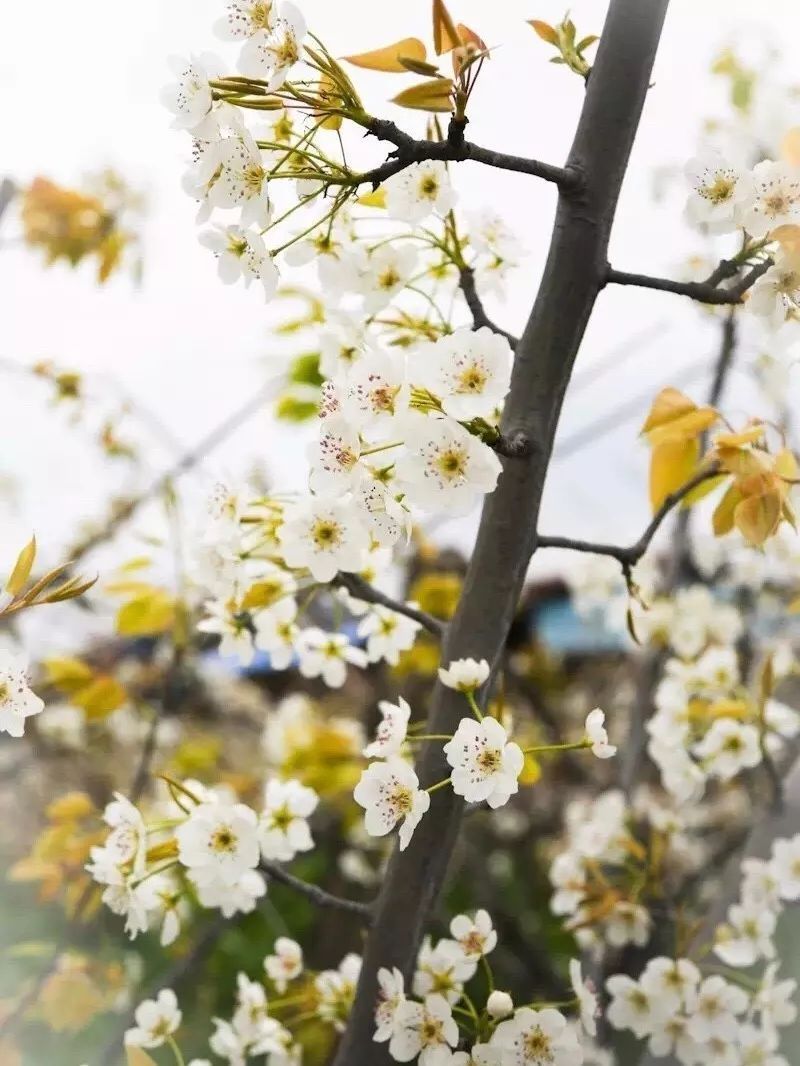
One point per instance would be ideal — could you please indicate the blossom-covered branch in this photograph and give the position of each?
(361, 589)
(629, 555)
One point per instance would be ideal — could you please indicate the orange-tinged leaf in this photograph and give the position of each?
(742, 462)
(416, 66)
(445, 32)
(671, 466)
(544, 30)
(722, 519)
(469, 36)
(757, 517)
(433, 95)
(388, 59)
(22, 569)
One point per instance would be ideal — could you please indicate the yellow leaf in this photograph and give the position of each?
(736, 440)
(433, 95)
(674, 416)
(742, 462)
(722, 519)
(531, 770)
(70, 807)
(377, 198)
(757, 517)
(788, 237)
(99, 699)
(699, 492)
(137, 1056)
(445, 33)
(69, 675)
(786, 465)
(545, 31)
(22, 569)
(146, 615)
(671, 466)
(469, 36)
(388, 58)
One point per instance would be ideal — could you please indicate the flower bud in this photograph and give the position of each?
(500, 1005)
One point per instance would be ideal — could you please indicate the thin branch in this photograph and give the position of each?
(362, 590)
(466, 281)
(707, 292)
(628, 556)
(409, 150)
(317, 895)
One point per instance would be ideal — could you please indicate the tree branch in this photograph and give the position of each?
(362, 590)
(466, 281)
(409, 150)
(363, 911)
(628, 556)
(707, 292)
(573, 276)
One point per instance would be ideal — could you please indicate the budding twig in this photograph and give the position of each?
(362, 590)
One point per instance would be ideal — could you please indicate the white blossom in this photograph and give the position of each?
(388, 633)
(283, 829)
(486, 766)
(270, 53)
(720, 190)
(391, 732)
(427, 1030)
(189, 97)
(597, 735)
(390, 794)
(324, 536)
(242, 254)
(286, 964)
(464, 675)
(445, 467)
(17, 701)
(218, 842)
(476, 936)
(418, 190)
(588, 1004)
(468, 371)
(537, 1038)
(391, 993)
(729, 747)
(156, 1020)
(326, 655)
(775, 201)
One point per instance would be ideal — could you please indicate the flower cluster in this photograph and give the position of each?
(206, 847)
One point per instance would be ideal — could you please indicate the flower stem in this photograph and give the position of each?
(437, 786)
(577, 745)
(176, 1051)
(474, 705)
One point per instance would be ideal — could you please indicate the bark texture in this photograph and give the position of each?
(574, 274)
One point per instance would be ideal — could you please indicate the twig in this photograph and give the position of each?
(628, 556)
(466, 281)
(707, 292)
(317, 895)
(362, 590)
(409, 150)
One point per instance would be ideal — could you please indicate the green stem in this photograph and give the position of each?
(474, 705)
(577, 745)
(437, 786)
(431, 736)
(176, 1051)
(381, 448)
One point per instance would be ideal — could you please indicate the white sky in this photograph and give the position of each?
(192, 349)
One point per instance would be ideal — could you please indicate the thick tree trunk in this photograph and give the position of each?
(573, 276)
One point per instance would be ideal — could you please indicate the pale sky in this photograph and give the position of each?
(81, 91)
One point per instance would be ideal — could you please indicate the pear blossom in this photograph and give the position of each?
(671, 1034)
(334, 457)
(245, 18)
(189, 97)
(597, 736)
(324, 536)
(375, 392)
(242, 254)
(537, 1038)
(427, 1030)
(476, 936)
(270, 53)
(469, 371)
(447, 468)
(747, 935)
(418, 190)
(391, 988)
(283, 825)
(786, 867)
(715, 1009)
(219, 842)
(729, 747)
(384, 517)
(672, 981)
(632, 1007)
(336, 990)
(17, 701)
(156, 1020)
(628, 923)
(775, 200)
(588, 1004)
(758, 1047)
(225, 619)
(240, 898)
(286, 964)
(390, 794)
(384, 273)
(719, 192)
(443, 969)
(277, 632)
(388, 633)
(464, 675)
(776, 294)
(486, 766)
(391, 733)
(326, 655)
(240, 178)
